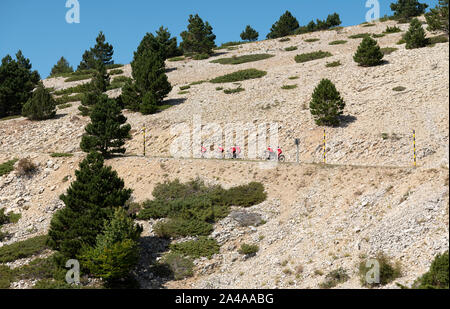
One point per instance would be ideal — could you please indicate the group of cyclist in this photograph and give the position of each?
(236, 151)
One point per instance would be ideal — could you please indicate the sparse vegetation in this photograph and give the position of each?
(312, 40)
(202, 247)
(393, 29)
(312, 56)
(7, 167)
(338, 42)
(235, 90)
(242, 59)
(388, 270)
(291, 48)
(399, 88)
(437, 276)
(23, 249)
(239, 76)
(333, 64)
(334, 278)
(26, 167)
(289, 87)
(247, 249)
(359, 36)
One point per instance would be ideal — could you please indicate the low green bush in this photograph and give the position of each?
(359, 36)
(115, 72)
(61, 155)
(368, 25)
(312, 56)
(242, 59)
(235, 90)
(77, 89)
(7, 167)
(174, 59)
(200, 56)
(333, 64)
(289, 87)
(78, 77)
(239, 76)
(7, 276)
(23, 249)
(388, 50)
(66, 99)
(185, 87)
(291, 48)
(284, 40)
(378, 35)
(437, 276)
(389, 271)
(393, 29)
(247, 249)
(437, 39)
(174, 228)
(399, 88)
(202, 247)
(230, 44)
(338, 42)
(199, 82)
(64, 106)
(114, 66)
(293, 77)
(246, 195)
(311, 40)
(334, 278)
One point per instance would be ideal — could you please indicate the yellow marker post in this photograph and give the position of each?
(143, 131)
(414, 145)
(324, 147)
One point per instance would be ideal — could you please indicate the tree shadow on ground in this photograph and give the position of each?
(168, 70)
(149, 272)
(346, 120)
(174, 102)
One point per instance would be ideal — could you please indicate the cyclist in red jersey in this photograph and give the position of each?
(279, 151)
(233, 150)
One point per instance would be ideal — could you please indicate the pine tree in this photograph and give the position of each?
(199, 38)
(408, 8)
(437, 18)
(61, 67)
(333, 20)
(286, 25)
(131, 97)
(169, 43)
(41, 105)
(17, 82)
(326, 104)
(102, 51)
(150, 85)
(116, 251)
(107, 131)
(368, 53)
(98, 85)
(415, 36)
(89, 201)
(88, 61)
(249, 34)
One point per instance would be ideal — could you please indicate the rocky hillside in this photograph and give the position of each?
(318, 218)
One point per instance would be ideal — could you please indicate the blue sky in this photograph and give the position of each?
(40, 30)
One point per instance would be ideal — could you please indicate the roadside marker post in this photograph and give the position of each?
(297, 143)
(414, 146)
(324, 147)
(143, 131)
